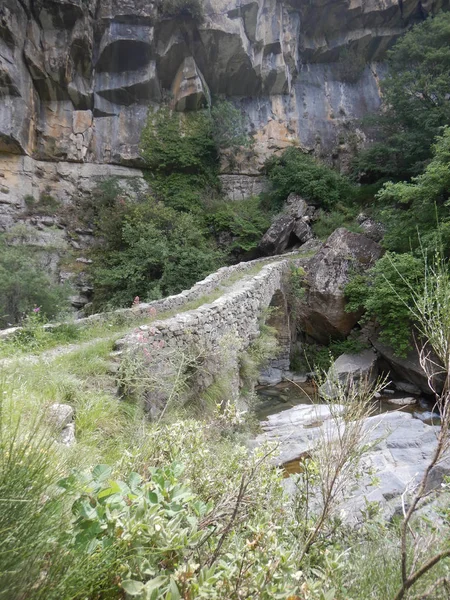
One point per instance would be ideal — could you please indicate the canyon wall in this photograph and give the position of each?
(77, 78)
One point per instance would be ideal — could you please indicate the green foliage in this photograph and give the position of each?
(26, 467)
(385, 293)
(45, 205)
(25, 285)
(416, 99)
(154, 247)
(341, 215)
(182, 9)
(314, 357)
(245, 220)
(174, 510)
(181, 154)
(229, 126)
(257, 355)
(417, 212)
(149, 250)
(34, 335)
(299, 173)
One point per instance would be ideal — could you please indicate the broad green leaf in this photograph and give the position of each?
(101, 472)
(133, 588)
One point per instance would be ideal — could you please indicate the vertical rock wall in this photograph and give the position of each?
(77, 76)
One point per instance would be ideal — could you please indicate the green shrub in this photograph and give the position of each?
(45, 205)
(229, 126)
(415, 94)
(149, 250)
(299, 173)
(25, 285)
(245, 220)
(384, 292)
(416, 213)
(182, 157)
(339, 216)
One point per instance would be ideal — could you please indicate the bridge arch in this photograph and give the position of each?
(279, 319)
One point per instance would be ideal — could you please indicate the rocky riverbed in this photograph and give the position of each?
(401, 443)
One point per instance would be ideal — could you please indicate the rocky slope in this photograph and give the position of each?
(77, 78)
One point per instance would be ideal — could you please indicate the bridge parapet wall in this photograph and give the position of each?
(234, 316)
(238, 311)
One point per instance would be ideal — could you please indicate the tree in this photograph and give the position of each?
(419, 209)
(385, 293)
(297, 172)
(149, 250)
(25, 285)
(416, 99)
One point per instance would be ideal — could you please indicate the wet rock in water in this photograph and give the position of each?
(295, 377)
(407, 387)
(409, 401)
(350, 369)
(429, 418)
(401, 448)
(407, 369)
(270, 376)
(322, 313)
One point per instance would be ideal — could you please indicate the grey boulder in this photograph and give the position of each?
(350, 370)
(322, 313)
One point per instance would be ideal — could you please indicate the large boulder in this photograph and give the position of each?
(350, 369)
(290, 228)
(408, 368)
(322, 313)
(276, 239)
(372, 229)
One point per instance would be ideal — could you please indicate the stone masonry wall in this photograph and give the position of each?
(178, 301)
(232, 320)
(238, 311)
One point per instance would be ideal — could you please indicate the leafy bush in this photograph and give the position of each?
(385, 294)
(415, 213)
(339, 216)
(245, 220)
(156, 246)
(229, 126)
(415, 95)
(25, 285)
(149, 250)
(45, 205)
(182, 157)
(299, 173)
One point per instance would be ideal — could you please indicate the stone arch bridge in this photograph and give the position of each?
(220, 329)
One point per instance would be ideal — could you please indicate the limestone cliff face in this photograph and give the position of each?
(77, 78)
